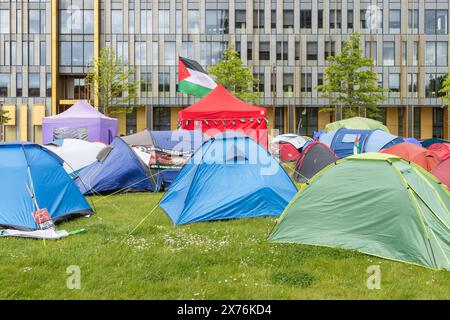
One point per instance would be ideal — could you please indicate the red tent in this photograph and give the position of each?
(414, 153)
(288, 152)
(442, 172)
(441, 149)
(220, 111)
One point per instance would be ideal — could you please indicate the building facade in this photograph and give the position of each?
(47, 46)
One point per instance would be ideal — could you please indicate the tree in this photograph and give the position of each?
(110, 80)
(349, 81)
(3, 119)
(236, 77)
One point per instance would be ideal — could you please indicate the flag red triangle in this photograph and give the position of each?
(183, 72)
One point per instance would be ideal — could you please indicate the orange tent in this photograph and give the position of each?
(441, 149)
(425, 158)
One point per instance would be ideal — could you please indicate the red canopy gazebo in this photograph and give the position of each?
(220, 111)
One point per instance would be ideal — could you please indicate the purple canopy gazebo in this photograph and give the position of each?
(81, 121)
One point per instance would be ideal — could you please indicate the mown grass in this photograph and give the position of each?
(216, 260)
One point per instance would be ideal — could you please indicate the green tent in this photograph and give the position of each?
(358, 123)
(374, 203)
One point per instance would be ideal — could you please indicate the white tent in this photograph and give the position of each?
(296, 140)
(76, 154)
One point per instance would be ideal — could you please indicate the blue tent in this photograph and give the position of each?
(342, 141)
(413, 141)
(117, 168)
(25, 166)
(428, 142)
(231, 176)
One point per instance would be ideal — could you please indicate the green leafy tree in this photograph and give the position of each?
(110, 80)
(349, 82)
(236, 77)
(3, 119)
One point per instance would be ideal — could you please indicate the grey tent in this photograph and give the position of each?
(314, 158)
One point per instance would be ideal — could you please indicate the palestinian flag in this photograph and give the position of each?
(356, 146)
(193, 79)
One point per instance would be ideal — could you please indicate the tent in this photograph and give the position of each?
(288, 146)
(81, 121)
(342, 141)
(356, 123)
(442, 172)
(375, 203)
(428, 142)
(76, 153)
(314, 158)
(413, 141)
(28, 169)
(117, 168)
(411, 152)
(442, 149)
(167, 151)
(220, 111)
(231, 176)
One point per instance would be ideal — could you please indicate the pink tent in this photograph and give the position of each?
(81, 121)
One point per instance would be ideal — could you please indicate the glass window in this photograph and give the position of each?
(371, 51)
(161, 118)
(436, 21)
(311, 51)
(19, 85)
(169, 53)
(288, 19)
(394, 82)
(380, 80)
(259, 86)
(388, 53)
(146, 21)
(116, 21)
(77, 53)
(280, 115)
(4, 21)
(329, 49)
(404, 53)
(34, 21)
(415, 61)
(164, 21)
(288, 83)
(34, 89)
(146, 84)
(31, 53)
(88, 53)
(258, 19)
(335, 19)
(249, 50)
(140, 52)
(6, 54)
(417, 122)
(273, 19)
(4, 84)
(240, 19)
(309, 121)
(433, 84)
(155, 55)
(412, 82)
(438, 122)
(131, 22)
(48, 84)
(193, 21)
(264, 51)
(88, 22)
(394, 21)
(441, 53)
(430, 56)
(131, 121)
(25, 53)
(305, 19)
(350, 19)
(320, 19)
(216, 21)
(187, 49)
(413, 21)
(306, 82)
(282, 50)
(163, 82)
(178, 22)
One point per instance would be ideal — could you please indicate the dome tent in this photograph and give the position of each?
(411, 152)
(314, 158)
(289, 146)
(342, 141)
(375, 203)
(28, 169)
(442, 149)
(117, 167)
(356, 123)
(231, 176)
(442, 172)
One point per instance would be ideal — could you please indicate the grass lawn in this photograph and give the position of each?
(216, 260)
